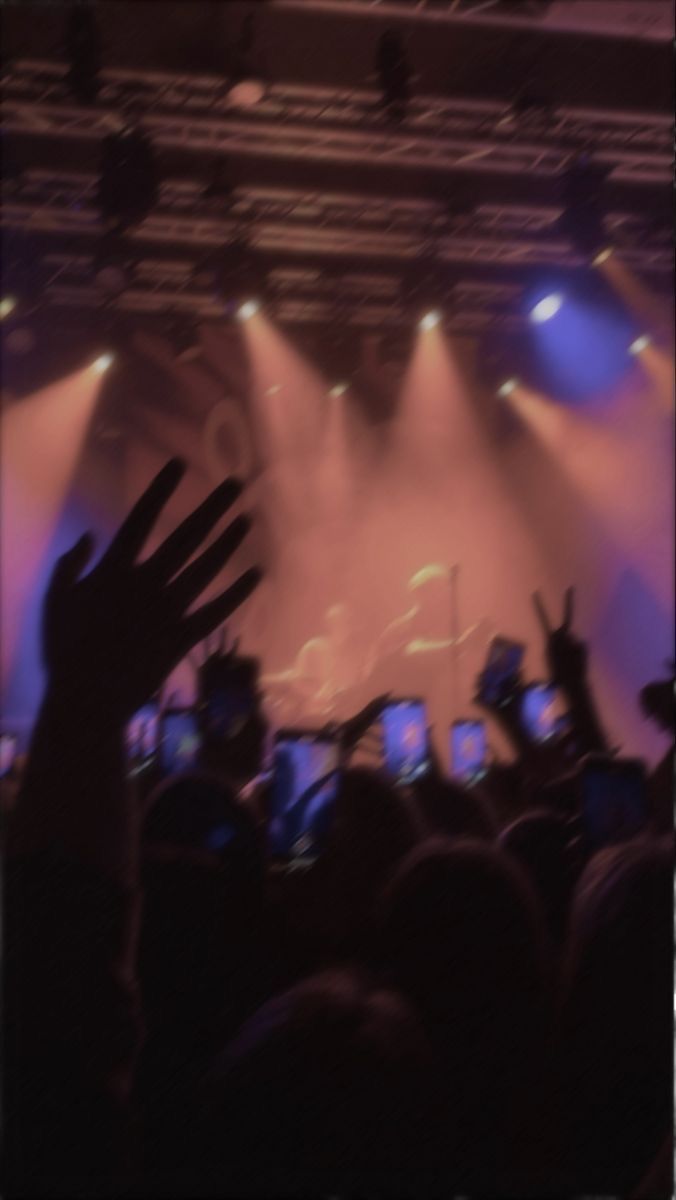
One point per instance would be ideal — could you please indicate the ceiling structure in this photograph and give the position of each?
(339, 205)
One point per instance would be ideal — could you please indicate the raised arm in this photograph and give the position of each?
(110, 638)
(567, 661)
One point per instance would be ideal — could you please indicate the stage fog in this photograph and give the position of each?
(357, 486)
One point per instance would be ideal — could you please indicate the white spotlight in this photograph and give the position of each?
(102, 363)
(7, 305)
(248, 310)
(602, 256)
(639, 344)
(508, 387)
(338, 389)
(545, 309)
(430, 320)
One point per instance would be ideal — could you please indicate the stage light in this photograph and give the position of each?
(602, 256)
(248, 310)
(545, 309)
(639, 344)
(339, 389)
(247, 93)
(7, 306)
(507, 387)
(430, 320)
(102, 363)
(247, 84)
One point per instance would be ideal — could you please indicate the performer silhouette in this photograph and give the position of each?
(326, 668)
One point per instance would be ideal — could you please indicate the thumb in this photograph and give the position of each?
(71, 564)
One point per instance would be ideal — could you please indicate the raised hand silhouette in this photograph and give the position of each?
(110, 638)
(567, 661)
(125, 626)
(566, 654)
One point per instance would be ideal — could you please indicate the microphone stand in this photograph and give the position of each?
(455, 635)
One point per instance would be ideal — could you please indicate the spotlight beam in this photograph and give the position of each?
(42, 439)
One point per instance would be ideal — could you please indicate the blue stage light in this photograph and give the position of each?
(547, 308)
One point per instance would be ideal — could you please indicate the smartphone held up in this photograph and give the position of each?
(405, 740)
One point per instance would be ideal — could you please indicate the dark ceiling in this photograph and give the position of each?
(332, 49)
(324, 184)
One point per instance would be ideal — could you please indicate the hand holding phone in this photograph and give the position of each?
(142, 734)
(500, 678)
(179, 741)
(405, 740)
(539, 712)
(304, 788)
(469, 750)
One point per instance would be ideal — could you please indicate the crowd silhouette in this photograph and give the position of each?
(459, 990)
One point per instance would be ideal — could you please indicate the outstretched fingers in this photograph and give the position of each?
(189, 535)
(200, 624)
(541, 612)
(195, 578)
(70, 566)
(134, 531)
(568, 608)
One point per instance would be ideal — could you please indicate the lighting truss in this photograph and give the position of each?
(307, 223)
(322, 124)
(159, 301)
(291, 227)
(623, 18)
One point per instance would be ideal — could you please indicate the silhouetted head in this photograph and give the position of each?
(539, 842)
(462, 927)
(203, 879)
(462, 936)
(617, 1018)
(453, 811)
(621, 924)
(330, 1079)
(374, 828)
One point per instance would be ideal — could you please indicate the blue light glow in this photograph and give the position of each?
(547, 308)
(583, 353)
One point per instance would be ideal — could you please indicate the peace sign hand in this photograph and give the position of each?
(121, 629)
(566, 654)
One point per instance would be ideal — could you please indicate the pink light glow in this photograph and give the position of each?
(599, 492)
(42, 438)
(346, 510)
